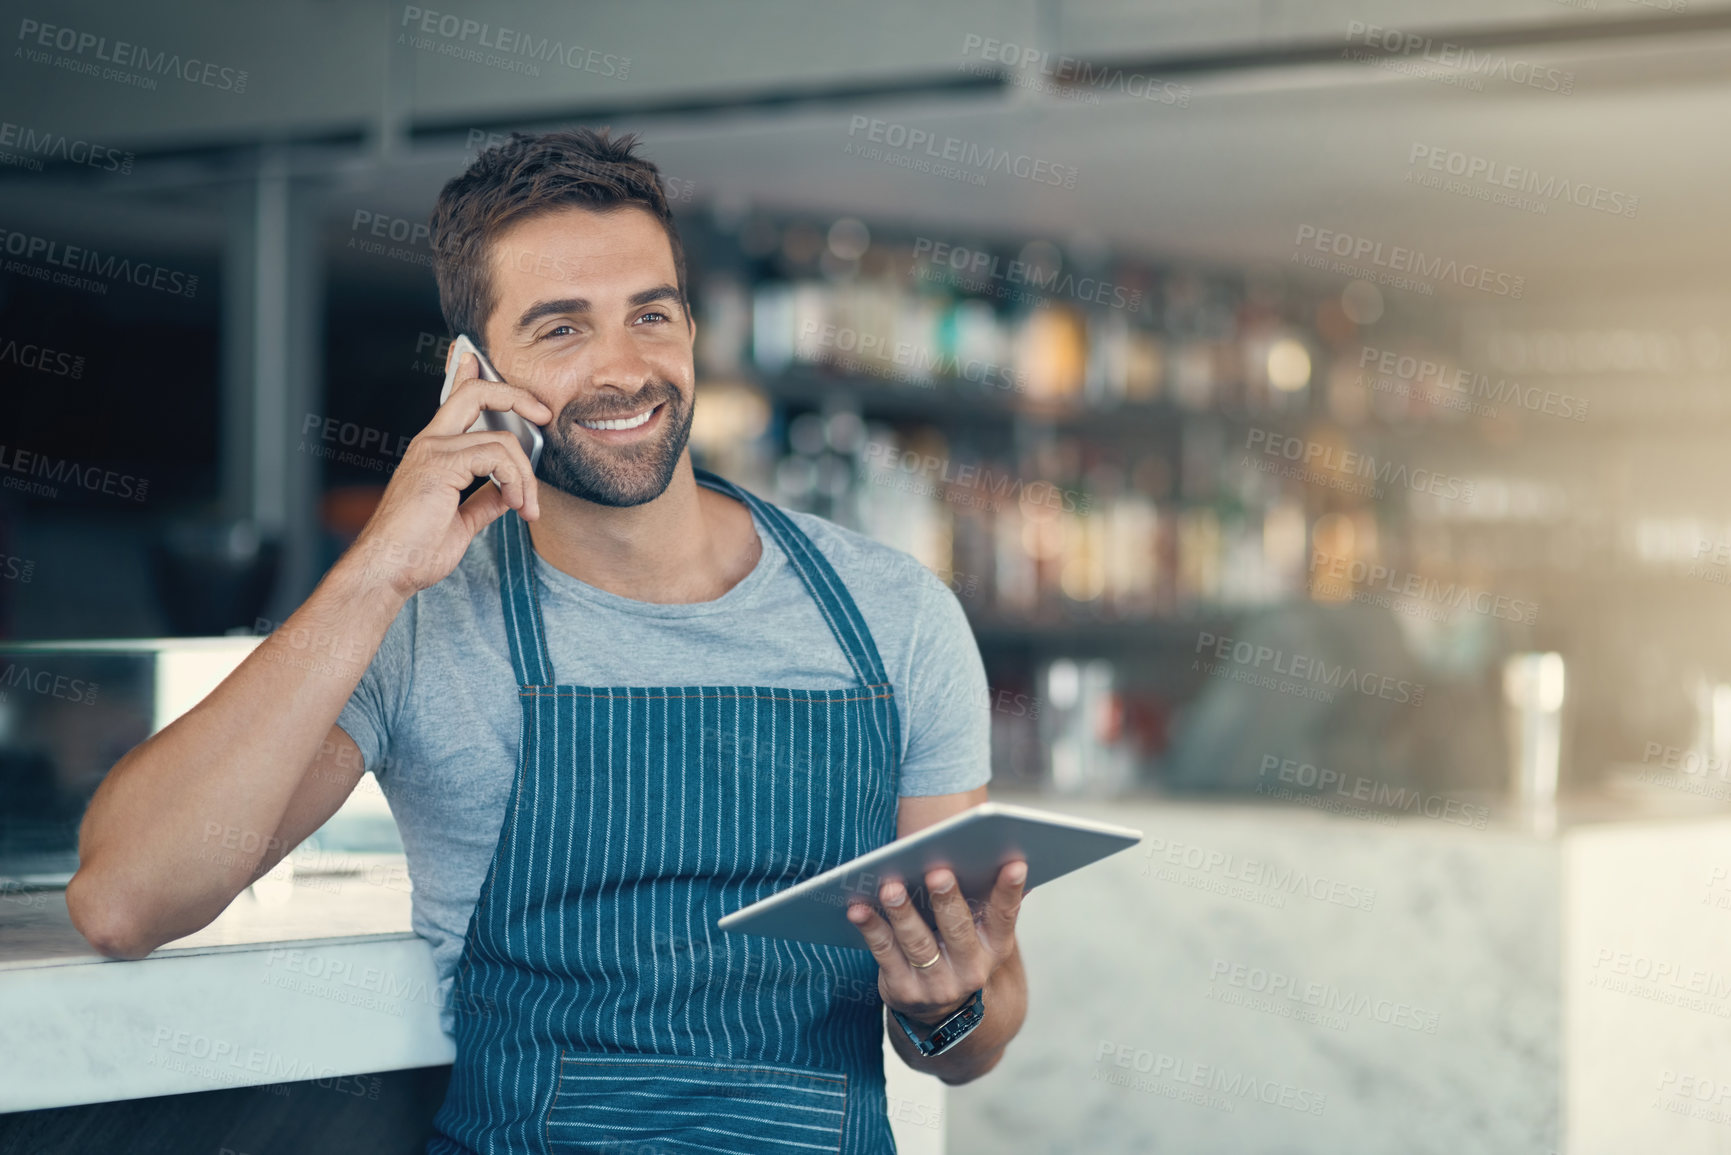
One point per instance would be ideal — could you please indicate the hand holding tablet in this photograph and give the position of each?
(973, 845)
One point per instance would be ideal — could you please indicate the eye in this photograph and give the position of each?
(555, 331)
(655, 313)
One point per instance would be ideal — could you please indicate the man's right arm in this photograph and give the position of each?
(192, 815)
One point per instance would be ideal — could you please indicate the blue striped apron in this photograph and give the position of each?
(597, 1007)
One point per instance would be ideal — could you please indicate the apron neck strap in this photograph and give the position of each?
(522, 601)
(527, 635)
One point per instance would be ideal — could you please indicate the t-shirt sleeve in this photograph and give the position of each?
(372, 710)
(949, 733)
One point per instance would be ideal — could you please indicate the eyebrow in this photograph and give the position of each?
(581, 304)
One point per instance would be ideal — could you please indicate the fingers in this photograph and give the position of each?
(460, 459)
(1005, 903)
(898, 940)
(956, 923)
(880, 939)
(472, 394)
(502, 456)
(912, 934)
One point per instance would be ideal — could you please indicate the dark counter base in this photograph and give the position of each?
(390, 1113)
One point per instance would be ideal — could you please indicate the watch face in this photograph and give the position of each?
(952, 1030)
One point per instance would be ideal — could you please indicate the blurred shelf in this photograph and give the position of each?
(950, 401)
(1095, 635)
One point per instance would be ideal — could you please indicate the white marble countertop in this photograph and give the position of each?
(314, 977)
(293, 981)
(1497, 931)
(1251, 979)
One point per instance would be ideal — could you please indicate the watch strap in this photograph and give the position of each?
(951, 1031)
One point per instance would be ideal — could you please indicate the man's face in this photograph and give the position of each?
(587, 317)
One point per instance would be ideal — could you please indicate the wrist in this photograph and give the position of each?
(934, 1040)
(359, 576)
(933, 1018)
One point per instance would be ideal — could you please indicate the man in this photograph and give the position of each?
(609, 700)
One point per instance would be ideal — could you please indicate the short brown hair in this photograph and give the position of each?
(523, 177)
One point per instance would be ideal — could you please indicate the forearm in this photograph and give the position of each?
(179, 825)
(1005, 1003)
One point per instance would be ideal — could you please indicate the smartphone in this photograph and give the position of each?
(527, 433)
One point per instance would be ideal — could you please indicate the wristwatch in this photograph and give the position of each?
(949, 1032)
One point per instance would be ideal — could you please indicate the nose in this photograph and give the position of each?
(618, 364)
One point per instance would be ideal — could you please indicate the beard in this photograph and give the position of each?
(616, 476)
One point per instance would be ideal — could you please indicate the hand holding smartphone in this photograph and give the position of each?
(503, 420)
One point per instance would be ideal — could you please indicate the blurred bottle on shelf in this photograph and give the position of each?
(1081, 728)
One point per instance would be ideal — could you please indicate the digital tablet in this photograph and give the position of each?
(974, 844)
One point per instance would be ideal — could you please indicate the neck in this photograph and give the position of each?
(691, 544)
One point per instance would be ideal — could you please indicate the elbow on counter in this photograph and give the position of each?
(100, 915)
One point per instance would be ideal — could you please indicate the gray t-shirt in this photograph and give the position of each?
(437, 716)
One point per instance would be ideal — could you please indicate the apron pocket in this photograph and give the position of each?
(670, 1105)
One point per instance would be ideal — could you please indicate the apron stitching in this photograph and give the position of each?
(547, 1122)
(553, 692)
(633, 1061)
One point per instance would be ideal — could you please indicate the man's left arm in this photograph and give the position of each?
(977, 951)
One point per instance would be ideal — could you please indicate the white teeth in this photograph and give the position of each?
(622, 423)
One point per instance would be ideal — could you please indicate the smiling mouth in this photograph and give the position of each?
(622, 422)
